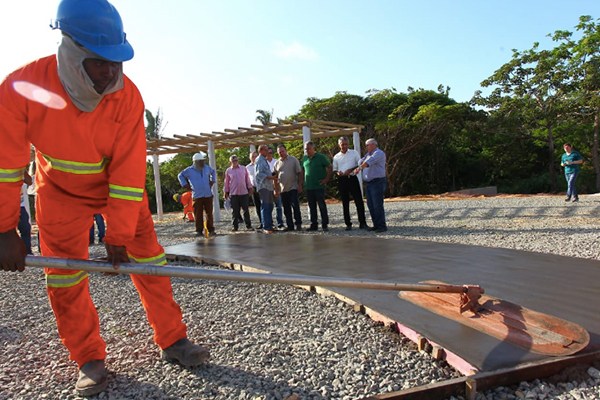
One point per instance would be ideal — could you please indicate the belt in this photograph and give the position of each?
(375, 179)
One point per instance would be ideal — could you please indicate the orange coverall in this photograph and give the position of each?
(87, 163)
(188, 205)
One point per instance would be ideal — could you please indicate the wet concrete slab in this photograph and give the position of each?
(566, 287)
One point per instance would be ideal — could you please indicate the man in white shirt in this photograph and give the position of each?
(344, 164)
(278, 205)
(251, 168)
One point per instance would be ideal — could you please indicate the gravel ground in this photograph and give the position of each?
(281, 342)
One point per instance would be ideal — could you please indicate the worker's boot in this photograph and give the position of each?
(92, 378)
(186, 353)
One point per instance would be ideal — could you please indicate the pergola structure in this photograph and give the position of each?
(285, 131)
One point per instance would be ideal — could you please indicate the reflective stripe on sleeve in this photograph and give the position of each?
(125, 193)
(75, 167)
(11, 175)
(65, 281)
(160, 259)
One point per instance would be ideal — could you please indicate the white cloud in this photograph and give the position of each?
(294, 50)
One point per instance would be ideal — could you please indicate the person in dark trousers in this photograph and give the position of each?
(317, 173)
(200, 177)
(99, 220)
(344, 164)
(290, 178)
(24, 226)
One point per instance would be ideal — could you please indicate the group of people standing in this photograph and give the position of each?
(277, 183)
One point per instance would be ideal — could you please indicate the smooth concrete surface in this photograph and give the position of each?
(566, 287)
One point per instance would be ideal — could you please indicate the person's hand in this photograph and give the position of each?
(12, 251)
(226, 196)
(116, 254)
(567, 162)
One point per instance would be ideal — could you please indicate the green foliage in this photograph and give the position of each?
(264, 117)
(154, 125)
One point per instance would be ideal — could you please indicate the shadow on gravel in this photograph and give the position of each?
(426, 231)
(207, 382)
(416, 214)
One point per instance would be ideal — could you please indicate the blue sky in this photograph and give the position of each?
(209, 65)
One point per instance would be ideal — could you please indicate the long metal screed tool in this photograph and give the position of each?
(466, 304)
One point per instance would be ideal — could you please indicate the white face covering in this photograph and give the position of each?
(76, 81)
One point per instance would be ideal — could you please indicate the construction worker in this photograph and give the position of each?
(200, 178)
(85, 119)
(188, 205)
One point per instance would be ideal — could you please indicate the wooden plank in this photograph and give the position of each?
(469, 386)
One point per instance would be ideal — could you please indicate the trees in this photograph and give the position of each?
(534, 84)
(264, 116)
(585, 67)
(154, 125)
(423, 138)
(418, 131)
(554, 93)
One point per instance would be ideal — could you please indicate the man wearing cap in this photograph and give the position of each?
(85, 119)
(200, 177)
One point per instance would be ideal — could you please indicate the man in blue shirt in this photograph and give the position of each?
(373, 166)
(200, 177)
(265, 181)
(571, 161)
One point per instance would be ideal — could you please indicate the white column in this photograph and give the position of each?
(156, 169)
(305, 135)
(212, 160)
(356, 142)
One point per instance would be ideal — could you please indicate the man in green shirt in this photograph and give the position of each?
(571, 161)
(317, 172)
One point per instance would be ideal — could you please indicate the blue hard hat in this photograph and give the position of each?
(95, 25)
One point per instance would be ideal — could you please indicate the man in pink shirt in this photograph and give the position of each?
(238, 188)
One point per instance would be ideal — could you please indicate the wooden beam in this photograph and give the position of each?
(333, 123)
(488, 380)
(269, 133)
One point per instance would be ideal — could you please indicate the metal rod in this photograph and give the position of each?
(227, 275)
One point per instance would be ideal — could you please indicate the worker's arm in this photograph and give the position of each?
(183, 180)
(126, 170)
(14, 157)
(226, 184)
(300, 175)
(328, 176)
